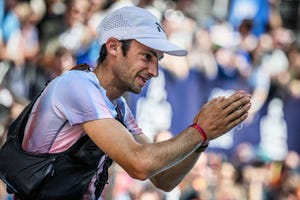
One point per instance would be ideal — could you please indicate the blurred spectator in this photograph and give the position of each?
(258, 79)
(292, 161)
(51, 25)
(24, 37)
(255, 10)
(244, 155)
(294, 71)
(289, 11)
(179, 29)
(77, 37)
(274, 122)
(54, 65)
(150, 192)
(228, 187)
(255, 177)
(238, 44)
(198, 183)
(23, 78)
(122, 184)
(201, 56)
(9, 19)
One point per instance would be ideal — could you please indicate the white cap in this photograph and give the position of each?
(131, 22)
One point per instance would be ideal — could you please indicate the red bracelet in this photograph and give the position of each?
(201, 131)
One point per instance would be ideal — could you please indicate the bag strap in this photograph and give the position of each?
(101, 179)
(83, 67)
(20, 122)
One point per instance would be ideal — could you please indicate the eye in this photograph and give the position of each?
(148, 57)
(160, 58)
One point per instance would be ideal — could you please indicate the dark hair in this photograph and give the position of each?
(103, 51)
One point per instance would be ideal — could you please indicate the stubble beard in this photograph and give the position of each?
(132, 86)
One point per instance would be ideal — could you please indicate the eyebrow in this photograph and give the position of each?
(156, 54)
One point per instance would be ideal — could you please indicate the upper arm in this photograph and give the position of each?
(117, 142)
(141, 138)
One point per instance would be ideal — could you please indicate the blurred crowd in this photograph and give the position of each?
(252, 45)
(215, 177)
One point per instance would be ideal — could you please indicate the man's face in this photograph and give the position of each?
(136, 68)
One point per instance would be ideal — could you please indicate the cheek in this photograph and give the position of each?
(131, 66)
(126, 72)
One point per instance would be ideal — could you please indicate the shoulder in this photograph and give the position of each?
(78, 96)
(76, 80)
(78, 76)
(74, 86)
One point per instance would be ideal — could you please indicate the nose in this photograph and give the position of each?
(153, 70)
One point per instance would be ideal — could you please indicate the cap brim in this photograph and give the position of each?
(163, 45)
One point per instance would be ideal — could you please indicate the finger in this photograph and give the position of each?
(237, 121)
(237, 105)
(233, 98)
(236, 114)
(216, 99)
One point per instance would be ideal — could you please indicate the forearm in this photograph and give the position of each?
(139, 158)
(176, 153)
(170, 178)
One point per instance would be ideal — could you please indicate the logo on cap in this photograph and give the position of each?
(159, 28)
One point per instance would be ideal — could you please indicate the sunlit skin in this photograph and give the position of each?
(132, 72)
(167, 162)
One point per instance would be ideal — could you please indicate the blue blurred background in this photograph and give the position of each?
(251, 45)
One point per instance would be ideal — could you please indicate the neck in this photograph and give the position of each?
(106, 80)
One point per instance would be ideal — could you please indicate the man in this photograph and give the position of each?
(80, 103)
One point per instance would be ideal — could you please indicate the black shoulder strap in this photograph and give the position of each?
(20, 122)
(83, 67)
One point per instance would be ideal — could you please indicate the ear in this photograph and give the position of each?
(113, 46)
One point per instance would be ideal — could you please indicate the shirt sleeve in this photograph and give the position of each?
(79, 99)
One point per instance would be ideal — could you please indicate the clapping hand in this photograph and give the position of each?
(221, 114)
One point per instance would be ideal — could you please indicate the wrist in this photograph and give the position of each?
(202, 133)
(202, 148)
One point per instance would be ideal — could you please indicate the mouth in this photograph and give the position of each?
(144, 79)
